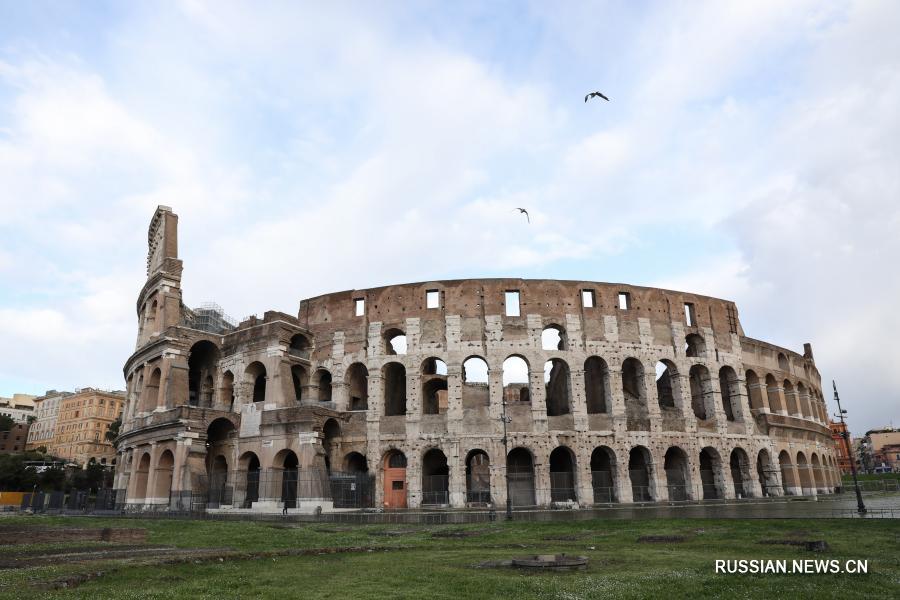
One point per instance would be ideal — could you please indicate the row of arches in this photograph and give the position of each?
(785, 396)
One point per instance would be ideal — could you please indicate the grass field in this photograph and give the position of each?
(391, 561)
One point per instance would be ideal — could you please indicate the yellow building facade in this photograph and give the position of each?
(81, 426)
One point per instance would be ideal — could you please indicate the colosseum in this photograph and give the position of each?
(466, 393)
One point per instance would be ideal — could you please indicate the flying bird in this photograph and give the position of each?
(595, 94)
(524, 212)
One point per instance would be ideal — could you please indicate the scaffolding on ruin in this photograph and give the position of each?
(210, 317)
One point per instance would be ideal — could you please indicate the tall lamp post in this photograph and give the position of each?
(506, 420)
(860, 505)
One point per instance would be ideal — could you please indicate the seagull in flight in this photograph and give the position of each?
(524, 212)
(594, 95)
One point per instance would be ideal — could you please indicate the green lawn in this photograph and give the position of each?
(392, 561)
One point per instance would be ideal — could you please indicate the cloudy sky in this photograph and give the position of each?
(751, 151)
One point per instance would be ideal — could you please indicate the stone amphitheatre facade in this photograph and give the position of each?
(399, 397)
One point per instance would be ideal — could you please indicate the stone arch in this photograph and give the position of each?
(331, 441)
(357, 378)
(767, 474)
(711, 476)
(678, 474)
(754, 390)
(394, 474)
(152, 391)
(694, 345)
(249, 471)
(141, 476)
(553, 337)
(818, 475)
(635, 394)
(557, 382)
(285, 467)
(562, 475)
(323, 381)
(217, 475)
(731, 396)
(790, 397)
(775, 394)
(803, 471)
(255, 375)
(299, 346)
(435, 478)
(603, 474)
(739, 464)
(516, 387)
(701, 392)
(789, 481)
(395, 342)
(203, 358)
(475, 390)
(478, 477)
(803, 401)
(355, 462)
(640, 471)
(666, 378)
(596, 385)
(165, 466)
(783, 364)
(520, 477)
(434, 386)
(393, 376)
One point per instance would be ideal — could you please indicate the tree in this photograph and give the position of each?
(113, 432)
(6, 423)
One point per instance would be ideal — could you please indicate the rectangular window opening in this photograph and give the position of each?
(359, 305)
(512, 303)
(624, 300)
(587, 298)
(432, 299)
(690, 317)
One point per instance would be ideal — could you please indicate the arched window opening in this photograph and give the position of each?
(710, 470)
(767, 474)
(202, 360)
(520, 477)
(355, 462)
(331, 441)
(775, 393)
(300, 380)
(435, 478)
(803, 401)
(141, 476)
(596, 385)
(219, 492)
(286, 462)
(394, 376)
(562, 475)
(665, 393)
(701, 390)
(754, 390)
(434, 386)
(357, 377)
(250, 471)
(639, 466)
(256, 374)
(557, 385)
(788, 480)
(299, 346)
(740, 473)
(603, 474)
(678, 474)
(394, 342)
(728, 385)
(478, 478)
(553, 337)
(783, 362)
(803, 470)
(324, 385)
(164, 469)
(475, 393)
(694, 345)
(151, 391)
(515, 380)
(635, 395)
(790, 397)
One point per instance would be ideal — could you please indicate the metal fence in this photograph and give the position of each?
(436, 490)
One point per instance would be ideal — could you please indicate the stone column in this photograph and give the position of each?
(578, 399)
(623, 480)
(541, 478)
(457, 476)
(653, 411)
(454, 401)
(538, 400)
(684, 403)
(617, 401)
(149, 497)
(585, 488)
(659, 484)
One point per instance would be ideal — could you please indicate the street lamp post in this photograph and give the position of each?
(506, 420)
(860, 505)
